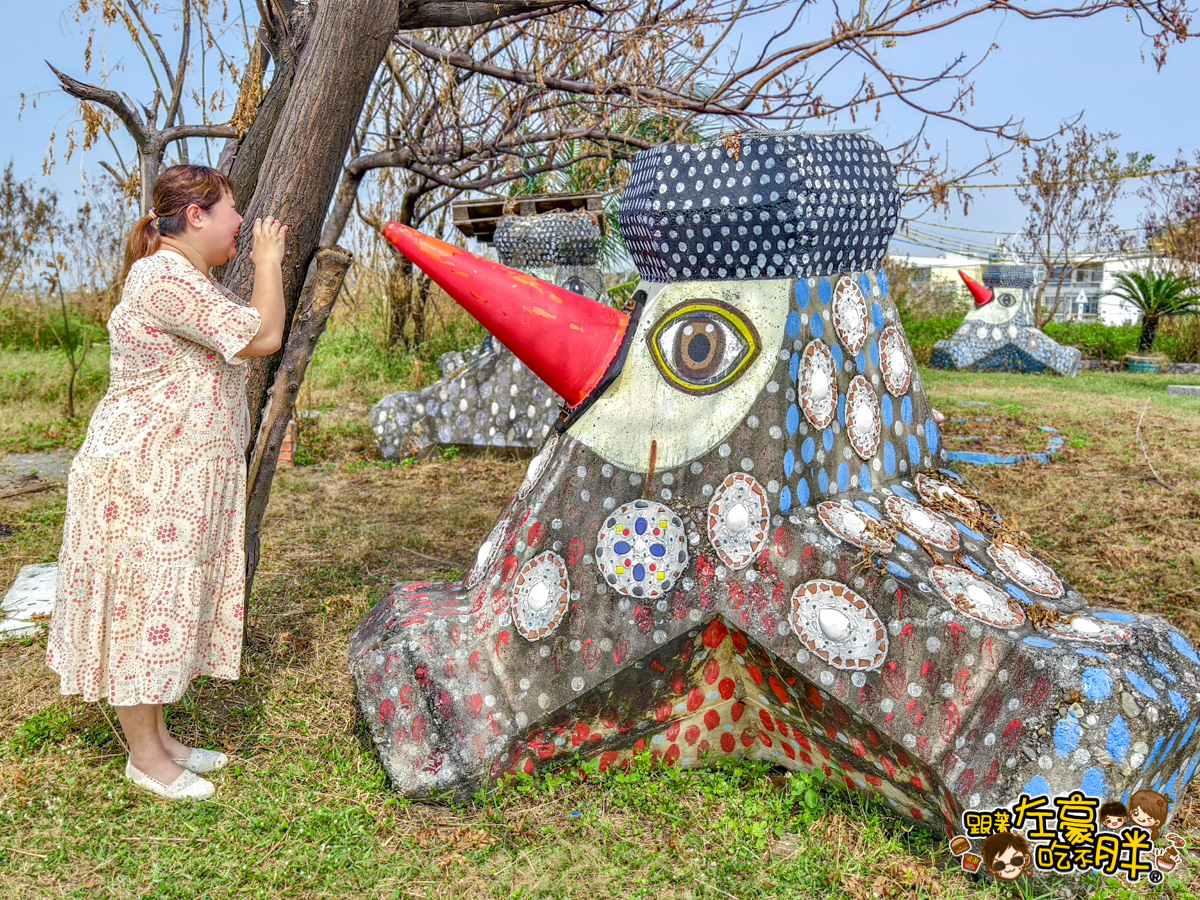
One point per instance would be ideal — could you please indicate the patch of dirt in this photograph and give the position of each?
(22, 470)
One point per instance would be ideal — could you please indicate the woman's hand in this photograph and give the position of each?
(269, 237)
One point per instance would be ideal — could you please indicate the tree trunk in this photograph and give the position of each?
(1149, 333)
(325, 277)
(345, 46)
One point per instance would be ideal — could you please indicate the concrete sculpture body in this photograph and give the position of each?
(742, 542)
(1000, 334)
(487, 397)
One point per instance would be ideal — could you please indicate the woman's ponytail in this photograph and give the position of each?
(143, 240)
(177, 188)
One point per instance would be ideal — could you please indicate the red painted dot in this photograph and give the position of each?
(726, 688)
(695, 699)
(747, 738)
(672, 731)
(712, 670)
(692, 734)
(672, 754)
(712, 719)
(766, 720)
(727, 742)
(736, 710)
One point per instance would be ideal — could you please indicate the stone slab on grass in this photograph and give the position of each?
(30, 596)
(1183, 390)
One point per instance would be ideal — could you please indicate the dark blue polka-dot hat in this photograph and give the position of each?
(761, 204)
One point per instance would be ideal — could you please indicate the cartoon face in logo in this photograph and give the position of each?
(1006, 855)
(1149, 810)
(1113, 815)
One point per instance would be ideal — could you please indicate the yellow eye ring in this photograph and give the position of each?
(702, 346)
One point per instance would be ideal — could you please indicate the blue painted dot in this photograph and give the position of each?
(1181, 704)
(1036, 787)
(1016, 592)
(794, 367)
(640, 526)
(793, 418)
(864, 285)
(827, 439)
(978, 569)
(864, 478)
(866, 508)
(1094, 783)
(801, 292)
(914, 450)
(789, 464)
(885, 410)
(1097, 684)
(931, 435)
(802, 492)
(1066, 734)
(792, 326)
(906, 409)
(1158, 745)
(621, 548)
(658, 550)
(841, 411)
(1124, 618)
(1170, 746)
(1093, 654)
(873, 347)
(824, 291)
(906, 543)
(889, 458)
(817, 326)
(1180, 644)
(1161, 668)
(785, 499)
(1169, 787)
(639, 572)
(969, 532)
(843, 477)
(882, 279)
(822, 481)
(807, 450)
(861, 361)
(836, 352)
(1143, 686)
(1187, 735)
(877, 315)
(1118, 739)
(1040, 642)
(897, 571)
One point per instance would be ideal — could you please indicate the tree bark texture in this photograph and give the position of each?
(346, 44)
(321, 288)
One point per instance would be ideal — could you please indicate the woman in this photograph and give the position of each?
(151, 574)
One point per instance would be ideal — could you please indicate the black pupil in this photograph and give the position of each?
(698, 348)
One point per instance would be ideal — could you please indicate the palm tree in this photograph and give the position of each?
(1159, 295)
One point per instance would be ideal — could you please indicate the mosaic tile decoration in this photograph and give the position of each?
(923, 673)
(1002, 336)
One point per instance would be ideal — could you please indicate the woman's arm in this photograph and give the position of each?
(267, 295)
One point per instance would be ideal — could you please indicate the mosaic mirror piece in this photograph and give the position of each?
(838, 626)
(922, 523)
(541, 595)
(853, 525)
(1026, 570)
(850, 315)
(945, 492)
(894, 362)
(972, 595)
(818, 384)
(863, 417)
(1087, 628)
(641, 549)
(738, 518)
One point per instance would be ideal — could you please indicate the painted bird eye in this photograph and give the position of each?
(703, 345)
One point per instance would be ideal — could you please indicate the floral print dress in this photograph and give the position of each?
(151, 573)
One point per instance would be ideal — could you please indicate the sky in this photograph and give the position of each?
(1043, 72)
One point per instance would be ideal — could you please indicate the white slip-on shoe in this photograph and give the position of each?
(188, 786)
(202, 762)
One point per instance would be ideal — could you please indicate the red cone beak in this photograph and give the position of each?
(982, 295)
(567, 340)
